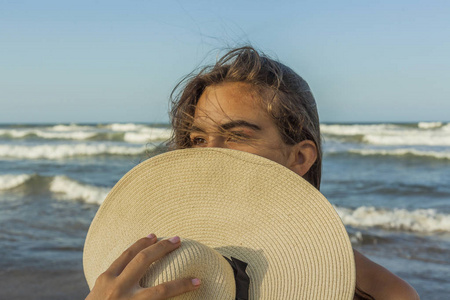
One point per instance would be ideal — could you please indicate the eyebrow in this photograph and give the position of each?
(230, 125)
(239, 123)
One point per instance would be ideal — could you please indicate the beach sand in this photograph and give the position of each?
(41, 284)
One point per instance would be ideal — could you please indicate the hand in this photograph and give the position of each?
(121, 280)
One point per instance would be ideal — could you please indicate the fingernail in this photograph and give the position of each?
(196, 281)
(151, 236)
(174, 240)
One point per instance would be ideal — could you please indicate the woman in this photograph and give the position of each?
(247, 102)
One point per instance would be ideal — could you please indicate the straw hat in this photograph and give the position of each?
(230, 203)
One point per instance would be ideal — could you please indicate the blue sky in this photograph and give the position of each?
(117, 61)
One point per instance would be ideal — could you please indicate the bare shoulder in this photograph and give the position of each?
(379, 282)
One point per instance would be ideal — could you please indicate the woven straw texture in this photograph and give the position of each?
(194, 259)
(240, 204)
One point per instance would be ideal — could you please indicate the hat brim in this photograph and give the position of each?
(242, 205)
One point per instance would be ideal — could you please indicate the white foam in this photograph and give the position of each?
(125, 127)
(69, 189)
(11, 181)
(446, 128)
(71, 127)
(49, 133)
(427, 134)
(132, 133)
(58, 151)
(147, 134)
(14, 133)
(73, 135)
(351, 130)
(420, 220)
(411, 138)
(429, 125)
(402, 152)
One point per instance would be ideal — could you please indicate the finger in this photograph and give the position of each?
(139, 265)
(170, 289)
(124, 259)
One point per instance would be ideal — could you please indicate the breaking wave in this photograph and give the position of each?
(44, 134)
(348, 130)
(132, 133)
(425, 134)
(69, 189)
(63, 187)
(10, 181)
(59, 151)
(420, 220)
(429, 125)
(409, 138)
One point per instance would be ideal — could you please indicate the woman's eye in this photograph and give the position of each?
(198, 141)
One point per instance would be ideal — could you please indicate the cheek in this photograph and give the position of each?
(258, 149)
(245, 147)
(280, 154)
(276, 157)
(277, 154)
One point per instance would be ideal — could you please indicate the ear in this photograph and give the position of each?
(303, 155)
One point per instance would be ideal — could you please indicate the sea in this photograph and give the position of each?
(389, 182)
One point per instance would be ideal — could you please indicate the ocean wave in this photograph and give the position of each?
(429, 125)
(409, 139)
(419, 220)
(355, 129)
(402, 152)
(73, 132)
(60, 151)
(147, 134)
(64, 187)
(125, 127)
(132, 133)
(426, 134)
(72, 127)
(44, 134)
(10, 181)
(69, 189)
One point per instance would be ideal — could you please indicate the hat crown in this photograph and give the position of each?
(195, 260)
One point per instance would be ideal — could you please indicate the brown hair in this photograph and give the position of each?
(290, 102)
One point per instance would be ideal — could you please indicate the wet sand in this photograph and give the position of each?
(38, 284)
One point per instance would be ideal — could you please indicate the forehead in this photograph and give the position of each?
(231, 100)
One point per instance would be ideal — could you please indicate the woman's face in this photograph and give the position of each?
(230, 115)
